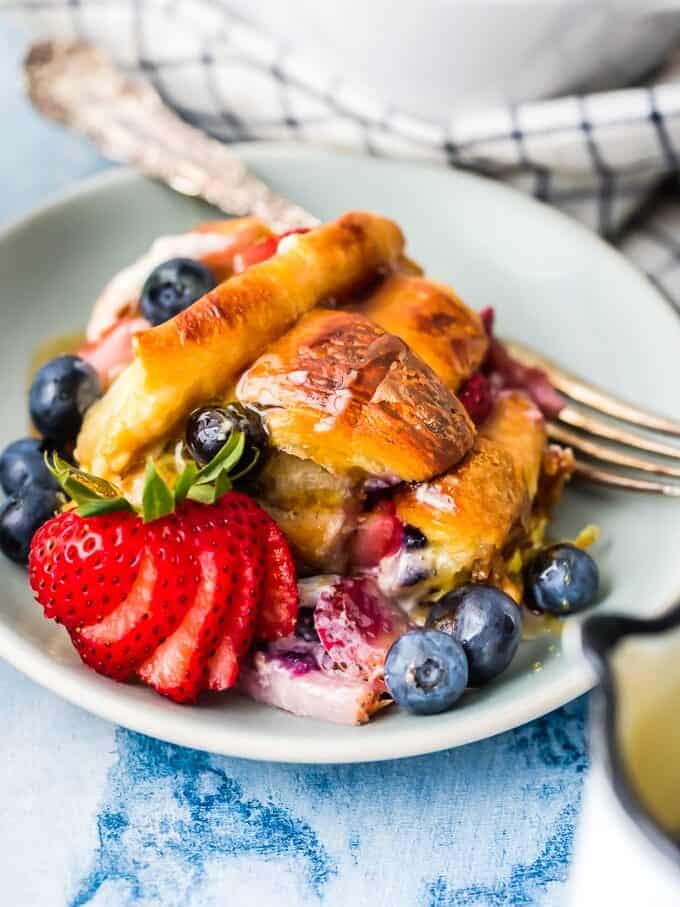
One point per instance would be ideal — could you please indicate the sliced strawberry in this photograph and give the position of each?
(82, 569)
(262, 250)
(100, 654)
(238, 523)
(162, 593)
(246, 523)
(253, 255)
(179, 666)
(477, 397)
(488, 316)
(223, 666)
(175, 600)
(109, 355)
(238, 238)
(267, 579)
(218, 629)
(378, 535)
(278, 611)
(505, 372)
(357, 624)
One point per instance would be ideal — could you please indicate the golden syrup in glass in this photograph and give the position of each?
(647, 680)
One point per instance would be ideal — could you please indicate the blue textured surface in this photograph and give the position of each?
(94, 815)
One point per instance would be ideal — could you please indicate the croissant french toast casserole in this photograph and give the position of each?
(301, 469)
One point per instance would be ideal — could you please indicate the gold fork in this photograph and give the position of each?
(78, 85)
(591, 429)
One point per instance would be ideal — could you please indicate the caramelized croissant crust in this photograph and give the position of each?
(433, 321)
(195, 356)
(317, 510)
(338, 390)
(471, 509)
(471, 513)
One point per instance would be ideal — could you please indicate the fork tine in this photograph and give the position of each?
(581, 390)
(608, 454)
(577, 418)
(616, 480)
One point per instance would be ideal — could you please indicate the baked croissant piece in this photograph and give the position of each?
(196, 356)
(317, 509)
(339, 390)
(432, 321)
(470, 516)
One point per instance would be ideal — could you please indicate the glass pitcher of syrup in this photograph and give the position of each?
(627, 849)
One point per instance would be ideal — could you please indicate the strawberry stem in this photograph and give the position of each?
(157, 499)
(92, 494)
(95, 495)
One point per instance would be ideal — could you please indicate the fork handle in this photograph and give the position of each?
(78, 85)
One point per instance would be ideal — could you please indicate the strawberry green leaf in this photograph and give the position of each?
(184, 481)
(157, 499)
(57, 466)
(103, 505)
(209, 493)
(204, 494)
(94, 495)
(82, 487)
(235, 476)
(222, 485)
(224, 460)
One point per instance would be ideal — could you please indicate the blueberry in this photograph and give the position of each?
(562, 579)
(62, 392)
(413, 537)
(486, 622)
(209, 428)
(413, 572)
(173, 286)
(298, 663)
(426, 671)
(21, 517)
(305, 628)
(22, 464)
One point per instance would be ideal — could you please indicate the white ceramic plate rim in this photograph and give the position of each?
(102, 698)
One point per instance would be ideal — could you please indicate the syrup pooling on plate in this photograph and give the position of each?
(68, 342)
(307, 482)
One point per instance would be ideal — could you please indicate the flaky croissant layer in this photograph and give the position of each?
(195, 356)
(341, 391)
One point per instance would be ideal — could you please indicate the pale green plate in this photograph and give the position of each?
(553, 285)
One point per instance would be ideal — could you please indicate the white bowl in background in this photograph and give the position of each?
(436, 58)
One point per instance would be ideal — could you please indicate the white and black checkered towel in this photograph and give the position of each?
(599, 157)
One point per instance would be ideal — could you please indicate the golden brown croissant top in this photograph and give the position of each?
(341, 391)
(193, 357)
(518, 426)
(433, 321)
(468, 514)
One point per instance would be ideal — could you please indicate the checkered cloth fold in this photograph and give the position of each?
(598, 157)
